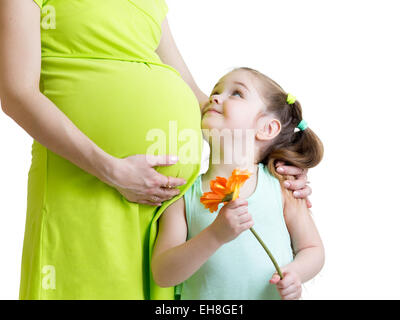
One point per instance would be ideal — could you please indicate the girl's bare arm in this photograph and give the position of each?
(306, 241)
(175, 259)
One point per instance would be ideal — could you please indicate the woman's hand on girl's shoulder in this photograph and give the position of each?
(299, 183)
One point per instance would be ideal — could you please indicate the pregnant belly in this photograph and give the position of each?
(126, 107)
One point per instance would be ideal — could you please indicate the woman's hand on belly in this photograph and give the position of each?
(136, 179)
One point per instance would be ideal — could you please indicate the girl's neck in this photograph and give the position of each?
(222, 169)
(225, 170)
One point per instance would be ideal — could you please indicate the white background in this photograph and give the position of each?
(341, 60)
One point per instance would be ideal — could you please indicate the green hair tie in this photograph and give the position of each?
(290, 99)
(302, 125)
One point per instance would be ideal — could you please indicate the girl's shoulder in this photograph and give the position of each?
(174, 210)
(290, 204)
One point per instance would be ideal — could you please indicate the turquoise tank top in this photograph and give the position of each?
(240, 269)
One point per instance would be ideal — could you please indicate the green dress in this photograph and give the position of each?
(83, 239)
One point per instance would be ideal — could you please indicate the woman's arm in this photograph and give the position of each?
(20, 64)
(306, 242)
(170, 55)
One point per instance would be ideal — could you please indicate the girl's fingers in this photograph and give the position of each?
(292, 296)
(289, 290)
(275, 279)
(286, 281)
(241, 211)
(244, 218)
(247, 225)
(237, 203)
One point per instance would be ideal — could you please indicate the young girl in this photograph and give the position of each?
(211, 254)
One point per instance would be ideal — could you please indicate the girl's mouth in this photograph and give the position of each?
(211, 110)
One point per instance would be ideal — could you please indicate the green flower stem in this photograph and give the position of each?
(228, 197)
(268, 252)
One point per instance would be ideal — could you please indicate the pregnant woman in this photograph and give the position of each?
(97, 86)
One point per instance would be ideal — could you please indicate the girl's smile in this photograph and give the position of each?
(211, 110)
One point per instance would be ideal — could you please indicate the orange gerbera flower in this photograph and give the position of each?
(223, 190)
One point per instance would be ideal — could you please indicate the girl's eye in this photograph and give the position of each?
(236, 91)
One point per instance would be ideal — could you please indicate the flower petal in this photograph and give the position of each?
(223, 189)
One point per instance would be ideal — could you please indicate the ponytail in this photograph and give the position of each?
(305, 151)
(298, 147)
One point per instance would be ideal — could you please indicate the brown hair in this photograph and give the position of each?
(302, 149)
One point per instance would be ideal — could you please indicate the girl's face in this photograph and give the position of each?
(234, 103)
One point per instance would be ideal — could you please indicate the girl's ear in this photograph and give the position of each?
(270, 129)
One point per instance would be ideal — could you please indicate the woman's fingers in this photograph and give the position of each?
(164, 189)
(299, 185)
(309, 204)
(279, 163)
(143, 201)
(164, 160)
(165, 194)
(162, 181)
(291, 170)
(303, 193)
(139, 182)
(172, 182)
(150, 203)
(295, 184)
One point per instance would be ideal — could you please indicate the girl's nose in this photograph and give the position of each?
(215, 98)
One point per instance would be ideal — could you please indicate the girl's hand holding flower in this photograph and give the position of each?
(289, 287)
(232, 220)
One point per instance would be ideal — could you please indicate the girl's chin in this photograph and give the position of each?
(215, 123)
(210, 123)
